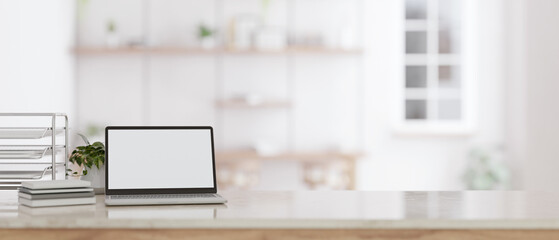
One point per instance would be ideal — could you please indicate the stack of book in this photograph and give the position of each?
(56, 193)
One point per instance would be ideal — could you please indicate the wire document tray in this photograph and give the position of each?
(40, 155)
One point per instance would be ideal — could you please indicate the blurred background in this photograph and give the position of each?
(306, 94)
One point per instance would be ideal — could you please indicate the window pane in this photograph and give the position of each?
(449, 26)
(416, 76)
(416, 42)
(450, 109)
(448, 42)
(416, 9)
(416, 109)
(449, 13)
(449, 77)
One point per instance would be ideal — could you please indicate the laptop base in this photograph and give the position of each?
(164, 199)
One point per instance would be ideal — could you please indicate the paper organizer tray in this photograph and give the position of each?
(26, 151)
(25, 174)
(27, 132)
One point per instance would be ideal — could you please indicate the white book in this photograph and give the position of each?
(55, 195)
(56, 184)
(62, 190)
(56, 202)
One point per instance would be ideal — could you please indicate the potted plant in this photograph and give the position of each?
(206, 36)
(112, 39)
(91, 158)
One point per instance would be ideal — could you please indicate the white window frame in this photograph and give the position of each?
(465, 59)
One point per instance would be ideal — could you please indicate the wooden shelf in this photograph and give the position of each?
(195, 51)
(308, 159)
(244, 104)
(314, 156)
(140, 50)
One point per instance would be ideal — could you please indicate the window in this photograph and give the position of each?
(435, 93)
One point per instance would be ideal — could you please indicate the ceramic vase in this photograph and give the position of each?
(95, 176)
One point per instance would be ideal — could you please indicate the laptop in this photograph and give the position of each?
(160, 165)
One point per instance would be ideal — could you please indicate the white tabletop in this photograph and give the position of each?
(307, 210)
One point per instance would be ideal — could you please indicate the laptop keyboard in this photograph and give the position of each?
(164, 196)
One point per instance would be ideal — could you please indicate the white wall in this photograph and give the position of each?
(36, 67)
(36, 73)
(536, 127)
(515, 89)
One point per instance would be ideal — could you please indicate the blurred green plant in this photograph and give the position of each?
(204, 31)
(265, 9)
(81, 6)
(111, 26)
(266, 4)
(484, 172)
(93, 130)
(88, 156)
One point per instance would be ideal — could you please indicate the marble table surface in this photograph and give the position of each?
(307, 210)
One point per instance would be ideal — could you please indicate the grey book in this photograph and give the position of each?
(62, 190)
(56, 195)
(55, 184)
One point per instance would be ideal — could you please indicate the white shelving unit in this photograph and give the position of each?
(226, 106)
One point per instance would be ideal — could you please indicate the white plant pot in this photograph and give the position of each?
(208, 42)
(112, 40)
(96, 177)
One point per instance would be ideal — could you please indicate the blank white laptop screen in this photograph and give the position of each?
(160, 158)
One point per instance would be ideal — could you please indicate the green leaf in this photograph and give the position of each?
(84, 138)
(98, 144)
(204, 31)
(85, 172)
(89, 155)
(96, 161)
(79, 159)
